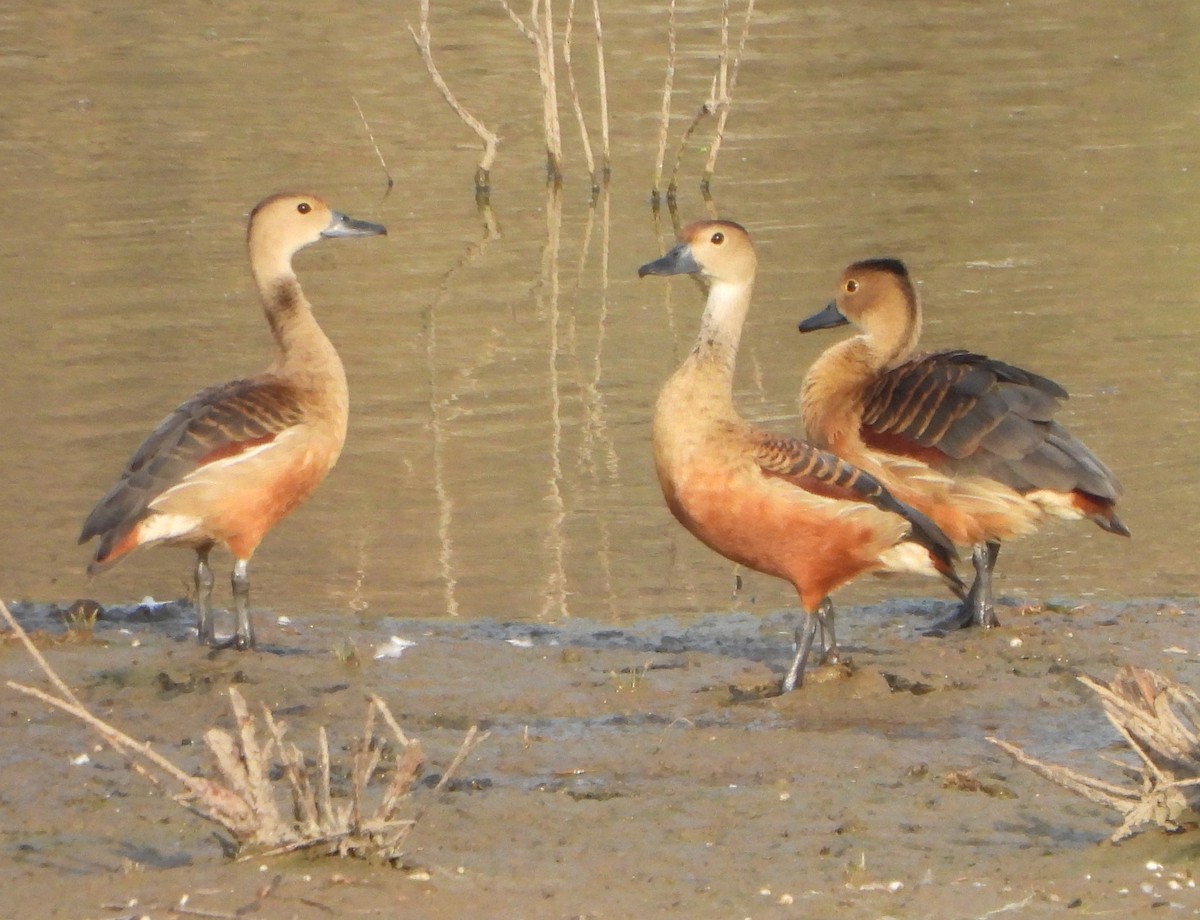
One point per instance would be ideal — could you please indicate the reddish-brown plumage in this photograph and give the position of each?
(969, 440)
(233, 460)
(246, 522)
(896, 444)
(130, 541)
(771, 503)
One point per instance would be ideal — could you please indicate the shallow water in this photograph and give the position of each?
(1036, 167)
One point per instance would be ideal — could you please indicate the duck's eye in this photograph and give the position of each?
(851, 286)
(304, 207)
(718, 238)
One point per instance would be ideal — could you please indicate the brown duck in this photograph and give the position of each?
(234, 459)
(774, 504)
(969, 440)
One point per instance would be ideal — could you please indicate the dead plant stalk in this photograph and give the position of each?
(584, 136)
(539, 31)
(664, 124)
(243, 801)
(1160, 721)
(719, 102)
(490, 140)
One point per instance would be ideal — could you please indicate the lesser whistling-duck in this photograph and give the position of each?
(969, 440)
(230, 462)
(774, 504)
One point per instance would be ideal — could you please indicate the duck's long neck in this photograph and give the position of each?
(893, 333)
(721, 330)
(832, 398)
(303, 353)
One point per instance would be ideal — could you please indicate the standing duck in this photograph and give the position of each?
(771, 503)
(969, 440)
(234, 459)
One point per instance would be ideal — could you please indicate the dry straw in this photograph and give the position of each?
(483, 172)
(718, 103)
(1160, 721)
(243, 801)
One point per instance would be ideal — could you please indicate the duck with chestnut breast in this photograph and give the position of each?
(969, 440)
(771, 503)
(234, 459)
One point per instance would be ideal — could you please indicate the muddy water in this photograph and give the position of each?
(1036, 166)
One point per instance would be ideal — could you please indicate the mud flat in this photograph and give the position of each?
(630, 771)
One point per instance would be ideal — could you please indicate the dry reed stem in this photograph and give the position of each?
(665, 120)
(727, 82)
(540, 33)
(483, 172)
(599, 177)
(1160, 720)
(550, 94)
(244, 802)
(719, 102)
(575, 103)
(371, 137)
(71, 704)
(602, 80)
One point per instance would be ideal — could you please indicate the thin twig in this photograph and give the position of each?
(539, 31)
(490, 140)
(602, 80)
(36, 655)
(324, 799)
(665, 119)
(473, 740)
(371, 136)
(725, 100)
(389, 719)
(185, 911)
(554, 156)
(673, 185)
(584, 137)
(1159, 721)
(118, 739)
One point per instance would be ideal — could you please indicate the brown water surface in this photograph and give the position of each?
(1036, 170)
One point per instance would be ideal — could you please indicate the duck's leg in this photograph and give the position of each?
(984, 558)
(205, 628)
(825, 617)
(804, 642)
(976, 608)
(243, 637)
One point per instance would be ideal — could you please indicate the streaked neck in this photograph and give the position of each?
(721, 326)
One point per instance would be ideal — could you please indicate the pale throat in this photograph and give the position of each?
(724, 316)
(891, 338)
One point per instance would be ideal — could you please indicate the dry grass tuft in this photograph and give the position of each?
(243, 799)
(1160, 721)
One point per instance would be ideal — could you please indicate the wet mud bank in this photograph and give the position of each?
(639, 770)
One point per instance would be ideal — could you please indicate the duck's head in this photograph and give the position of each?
(865, 292)
(282, 225)
(720, 251)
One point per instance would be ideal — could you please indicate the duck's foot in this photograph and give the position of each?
(976, 608)
(822, 619)
(237, 642)
(804, 641)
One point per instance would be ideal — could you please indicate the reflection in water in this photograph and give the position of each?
(547, 296)
(440, 399)
(595, 433)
